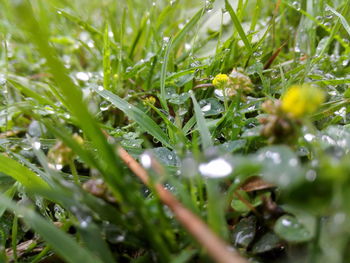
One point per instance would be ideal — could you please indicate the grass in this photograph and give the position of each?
(81, 78)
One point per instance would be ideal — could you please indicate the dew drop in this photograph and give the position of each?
(206, 107)
(104, 105)
(216, 168)
(286, 222)
(146, 160)
(296, 5)
(311, 175)
(309, 137)
(36, 145)
(53, 166)
(82, 76)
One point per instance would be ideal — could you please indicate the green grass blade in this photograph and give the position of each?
(238, 26)
(163, 75)
(21, 173)
(342, 18)
(106, 59)
(136, 115)
(62, 243)
(93, 241)
(202, 125)
(190, 24)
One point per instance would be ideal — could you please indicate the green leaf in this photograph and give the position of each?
(165, 156)
(280, 166)
(244, 231)
(267, 242)
(290, 229)
(62, 243)
(211, 107)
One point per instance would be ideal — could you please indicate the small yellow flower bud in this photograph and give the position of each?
(150, 100)
(220, 80)
(302, 100)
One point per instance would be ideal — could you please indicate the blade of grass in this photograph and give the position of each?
(136, 115)
(238, 26)
(202, 125)
(63, 244)
(341, 17)
(21, 173)
(163, 75)
(189, 25)
(106, 59)
(14, 238)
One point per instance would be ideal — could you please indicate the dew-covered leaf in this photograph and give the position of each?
(280, 166)
(290, 229)
(211, 107)
(165, 156)
(267, 242)
(244, 232)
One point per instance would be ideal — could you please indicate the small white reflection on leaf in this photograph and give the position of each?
(216, 168)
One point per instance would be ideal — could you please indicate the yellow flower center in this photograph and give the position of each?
(302, 100)
(220, 80)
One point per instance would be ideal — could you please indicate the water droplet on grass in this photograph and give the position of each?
(104, 105)
(82, 76)
(56, 167)
(188, 46)
(311, 175)
(2, 80)
(36, 145)
(296, 5)
(146, 160)
(309, 137)
(206, 107)
(216, 168)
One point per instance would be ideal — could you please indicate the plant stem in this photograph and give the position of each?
(74, 172)
(315, 249)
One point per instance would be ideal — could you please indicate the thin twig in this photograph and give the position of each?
(216, 247)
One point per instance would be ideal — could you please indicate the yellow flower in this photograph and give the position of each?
(150, 100)
(220, 80)
(301, 100)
